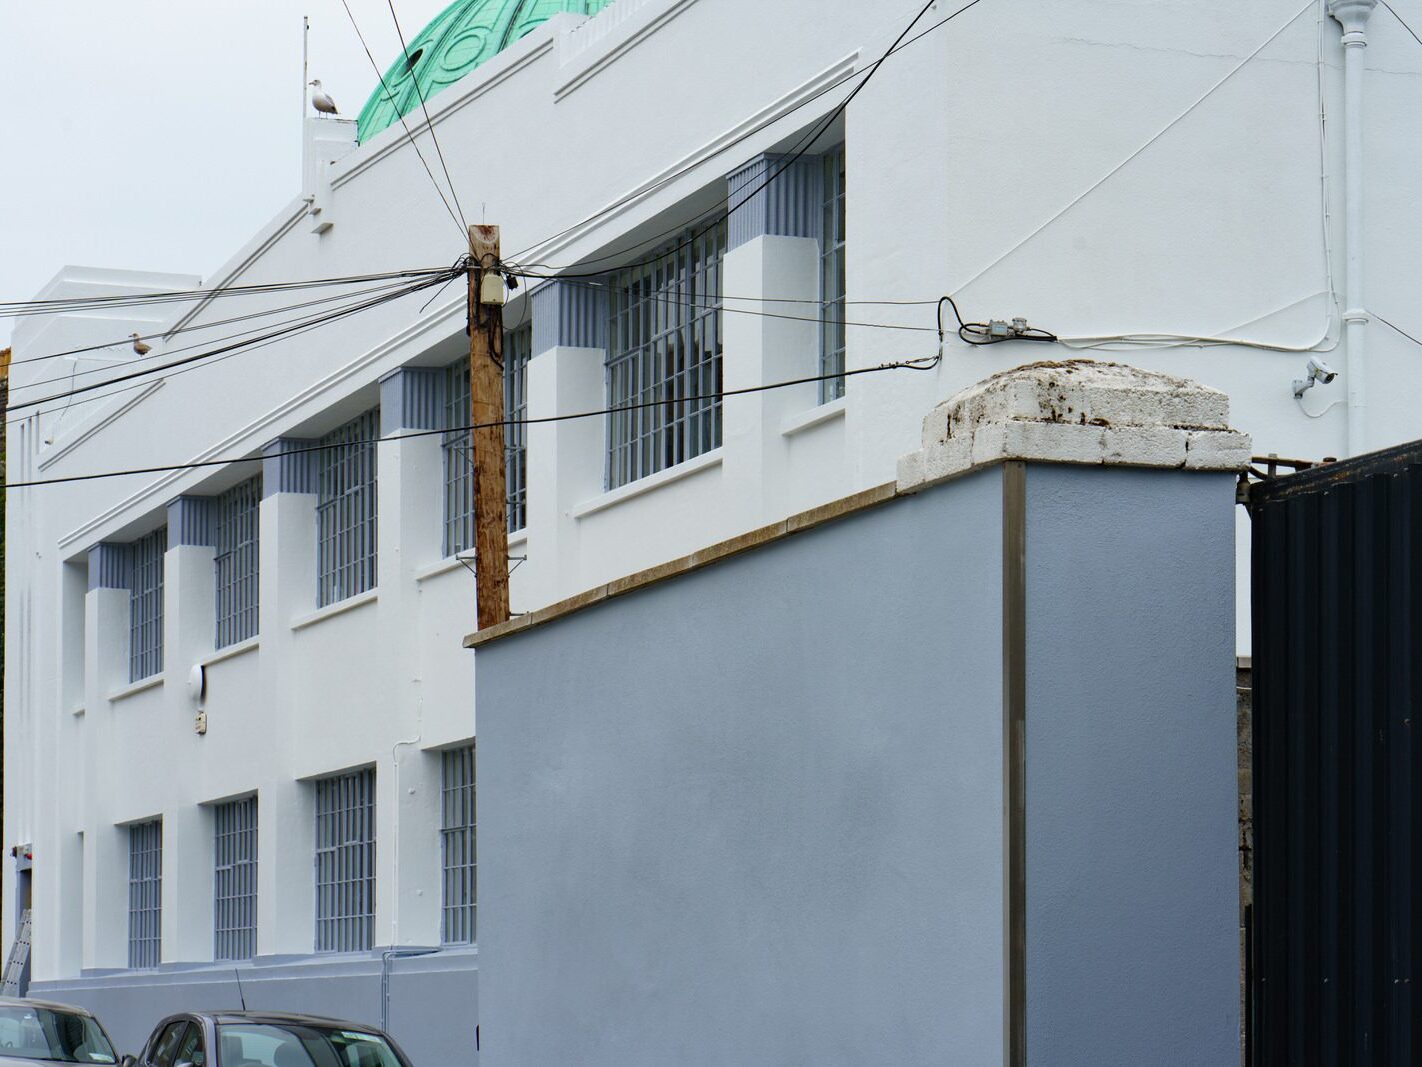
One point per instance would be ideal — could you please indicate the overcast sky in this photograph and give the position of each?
(160, 134)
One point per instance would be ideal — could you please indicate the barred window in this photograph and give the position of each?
(458, 461)
(145, 617)
(518, 347)
(458, 449)
(345, 862)
(345, 510)
(235, 880)
(665, 353)
(459, 847)
(238, 510)
(832, 283)
(145, 893)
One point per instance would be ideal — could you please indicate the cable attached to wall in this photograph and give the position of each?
(993, 332)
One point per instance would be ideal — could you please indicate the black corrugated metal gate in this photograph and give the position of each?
(1337, 655)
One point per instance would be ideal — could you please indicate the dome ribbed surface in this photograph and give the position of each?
(461, 37)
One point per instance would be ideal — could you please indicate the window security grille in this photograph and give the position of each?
(664, 350)
(345, 510)
(832, 282)
(237, 562)
(458, 456)
(518, 347)
(345, 862)
(458, 461)
(235, 880)
(145, 630)
(459, 846)
(145, 893)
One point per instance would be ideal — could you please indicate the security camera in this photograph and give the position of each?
(1317, 371)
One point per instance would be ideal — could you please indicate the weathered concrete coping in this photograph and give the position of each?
(1082, 412)
(1077, 412)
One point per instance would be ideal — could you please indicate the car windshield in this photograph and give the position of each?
(301, 1045)
(35, 1033)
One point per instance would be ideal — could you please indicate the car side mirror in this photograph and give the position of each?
(128, 1061)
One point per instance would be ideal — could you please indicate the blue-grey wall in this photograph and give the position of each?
(432, 1010)
(1132, 885)
(754, 815)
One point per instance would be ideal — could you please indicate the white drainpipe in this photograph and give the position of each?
(1352, 15)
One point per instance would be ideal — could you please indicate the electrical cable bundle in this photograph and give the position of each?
(994, 332)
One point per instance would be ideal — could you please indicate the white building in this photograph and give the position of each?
(239, 737)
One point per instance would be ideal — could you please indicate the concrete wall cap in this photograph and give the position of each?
(1077, 411)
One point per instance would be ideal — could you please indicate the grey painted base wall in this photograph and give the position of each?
(1132, 884)
(433, 1003)
(754, 815)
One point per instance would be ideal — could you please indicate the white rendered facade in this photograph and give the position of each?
(1100, 169)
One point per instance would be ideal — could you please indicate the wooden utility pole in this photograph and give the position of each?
(486, 409)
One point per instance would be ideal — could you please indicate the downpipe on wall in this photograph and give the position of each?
(1353, 16)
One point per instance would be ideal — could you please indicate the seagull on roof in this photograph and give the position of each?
(321, 100)
(138, 345)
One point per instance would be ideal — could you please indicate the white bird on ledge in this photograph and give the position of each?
(321, 100)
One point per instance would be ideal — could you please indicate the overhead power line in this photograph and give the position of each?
(1402, 21)
(390, 96)
(434, 138)
(720, 303)
(297, 329)
(159, 335)
(327, 317)
(127, 340)
(312, 321)
(56, 305)
(59, 305)
(924, 363)
(802, 146)
(1397, 329)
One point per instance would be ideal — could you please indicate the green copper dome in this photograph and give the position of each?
(461, 37)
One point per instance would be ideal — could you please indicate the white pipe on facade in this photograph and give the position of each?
(1353, 16)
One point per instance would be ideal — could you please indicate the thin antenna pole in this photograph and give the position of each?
(305, 61)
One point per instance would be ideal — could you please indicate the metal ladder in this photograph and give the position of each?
(19, 956)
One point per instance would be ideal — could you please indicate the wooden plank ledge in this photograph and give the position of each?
(705, 557)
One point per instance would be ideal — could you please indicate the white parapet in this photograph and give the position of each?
(1077, 411)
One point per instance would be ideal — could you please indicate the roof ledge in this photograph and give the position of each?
(1080, 412)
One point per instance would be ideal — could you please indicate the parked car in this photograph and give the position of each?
(36, 1030)
(265, 1039)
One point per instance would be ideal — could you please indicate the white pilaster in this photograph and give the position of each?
(67, 955)
(189, 616)
(287, 590)
(106, 625)
(408, 888)
(286, 888)
(565, 464)
(187, 883)
(411, 519)
(106, 893)
(105, 863)
(782, 272)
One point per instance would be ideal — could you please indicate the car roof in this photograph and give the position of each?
(279, 1017)
(51, 1005)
